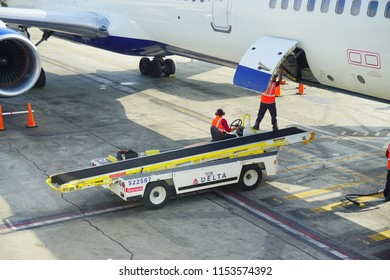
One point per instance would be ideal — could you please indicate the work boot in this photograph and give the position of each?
(275, 128)
(256, 127)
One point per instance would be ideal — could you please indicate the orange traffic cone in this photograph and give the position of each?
(1, 120)
(30, 117)
(301, 89)
(278, 91)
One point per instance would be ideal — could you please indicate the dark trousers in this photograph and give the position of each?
(262, 110)
(228, 136)
(386, 191)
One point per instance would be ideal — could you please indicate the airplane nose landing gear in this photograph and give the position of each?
(157, 67)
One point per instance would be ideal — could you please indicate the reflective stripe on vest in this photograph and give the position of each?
(269, 96)
(218, 124)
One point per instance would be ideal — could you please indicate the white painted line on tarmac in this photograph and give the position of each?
(59, 218)
(300, 234)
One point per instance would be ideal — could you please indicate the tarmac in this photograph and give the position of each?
(96, 102)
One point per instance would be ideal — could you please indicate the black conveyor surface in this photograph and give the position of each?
(171, 155)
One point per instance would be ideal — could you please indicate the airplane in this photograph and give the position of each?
(336, 44)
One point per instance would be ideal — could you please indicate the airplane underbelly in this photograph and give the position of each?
(365, 80)
(360, 69)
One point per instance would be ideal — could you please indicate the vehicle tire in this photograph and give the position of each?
(155, 68)
(170, 67)
(250, 177)
(41, 82)
(156, 195)
(144, 65)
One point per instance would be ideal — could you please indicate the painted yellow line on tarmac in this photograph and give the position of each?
(324, 190)
(363, 180)
(353, 157)
(332, 206)
(380, 236)
(317, 161)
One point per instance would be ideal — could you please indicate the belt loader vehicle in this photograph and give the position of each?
(155, 177)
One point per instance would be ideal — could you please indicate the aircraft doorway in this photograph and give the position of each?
(221, 9)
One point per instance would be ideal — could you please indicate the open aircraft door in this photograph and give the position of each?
(261, 61)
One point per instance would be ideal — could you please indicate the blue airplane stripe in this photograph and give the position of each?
(252, 79)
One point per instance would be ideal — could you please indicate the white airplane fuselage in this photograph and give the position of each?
(343, 51)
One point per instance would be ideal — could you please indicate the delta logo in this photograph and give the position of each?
(209, 178)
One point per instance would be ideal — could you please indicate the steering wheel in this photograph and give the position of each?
(235, 123)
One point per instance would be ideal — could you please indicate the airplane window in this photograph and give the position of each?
(297, 5)
(387, 10)
(310, 5)
(372, 8)
(284, 4)
(272, 4)
(340, 6)
(325, 6)
(355, 8)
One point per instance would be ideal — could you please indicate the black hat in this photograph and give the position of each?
(219, 112)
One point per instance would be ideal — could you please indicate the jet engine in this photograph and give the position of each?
(20, 64)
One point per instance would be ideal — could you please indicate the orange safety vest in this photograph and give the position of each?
(388, 157)
(218, 124)
(269, 96)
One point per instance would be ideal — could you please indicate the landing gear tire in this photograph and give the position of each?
(144, 65)
(169, 67)
(250, 177)
(41, 82)
(155, 68)
(156, 195)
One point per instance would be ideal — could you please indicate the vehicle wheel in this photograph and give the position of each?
(155, 68)
(144, 65)
(41, 82)
(156, 195)
(170, 67)
(250, 177)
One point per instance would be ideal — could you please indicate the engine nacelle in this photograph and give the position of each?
(20, 64)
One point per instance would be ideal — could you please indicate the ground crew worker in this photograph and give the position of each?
(386, 191)
(221, 123)
(267, 102)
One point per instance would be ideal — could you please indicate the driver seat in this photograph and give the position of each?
(216, 135)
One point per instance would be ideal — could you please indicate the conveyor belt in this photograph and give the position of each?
(172, 155)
